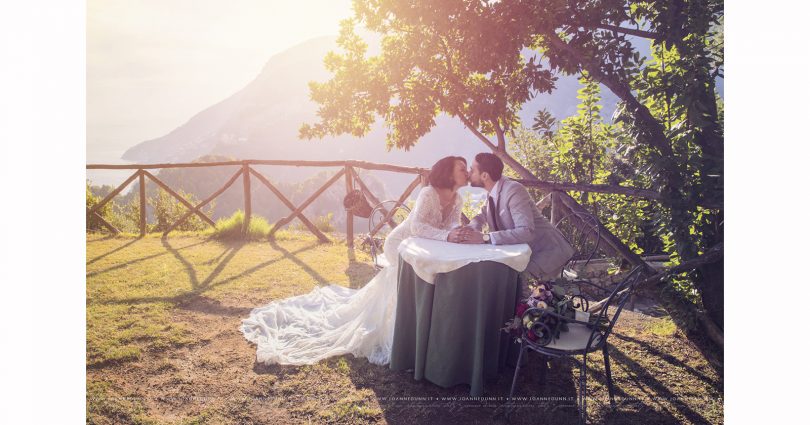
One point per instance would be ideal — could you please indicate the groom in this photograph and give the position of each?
(513, 218)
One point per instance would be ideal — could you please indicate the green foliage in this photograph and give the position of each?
(231, 228)
(126, 216)
(471, 207)
(420, 73)
(667, 133)
(586, 152)
(583, 149)
(93, 222)
(167, 210)
(324, 223)
(321, 222)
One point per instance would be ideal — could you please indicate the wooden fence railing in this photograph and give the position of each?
(246, 170)
(560, 202)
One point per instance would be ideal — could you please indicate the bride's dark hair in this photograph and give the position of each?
(441, 174)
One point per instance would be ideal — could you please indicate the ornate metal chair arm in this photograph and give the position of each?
(579, 282)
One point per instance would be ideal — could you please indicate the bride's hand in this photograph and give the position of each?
(455, 235)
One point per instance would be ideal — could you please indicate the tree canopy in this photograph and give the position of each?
(482, 61)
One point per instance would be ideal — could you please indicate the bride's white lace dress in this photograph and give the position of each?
(334, 320)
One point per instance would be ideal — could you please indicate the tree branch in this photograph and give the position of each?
(475, 131)
(499, 134)
(647, 122)
(596, 188)
(631, 31)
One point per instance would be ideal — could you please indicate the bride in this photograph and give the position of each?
(335, 320)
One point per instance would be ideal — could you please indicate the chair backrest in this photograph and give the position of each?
(583, 232)
(396, 214)
(618, 298)
(379, 212)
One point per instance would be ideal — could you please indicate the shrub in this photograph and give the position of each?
(167, 210)
(231, 227)
(126, 217)
(324, 223)
(93, 223)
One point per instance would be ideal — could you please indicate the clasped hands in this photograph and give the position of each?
(465, 234)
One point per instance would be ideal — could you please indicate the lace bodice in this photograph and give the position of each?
(426, 221)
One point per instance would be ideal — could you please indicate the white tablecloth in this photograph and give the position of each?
(429, 257)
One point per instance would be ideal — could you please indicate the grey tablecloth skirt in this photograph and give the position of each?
(449, 332)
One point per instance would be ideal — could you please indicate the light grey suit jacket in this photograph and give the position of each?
(520, 221)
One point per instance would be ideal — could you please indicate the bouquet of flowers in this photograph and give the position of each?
(548, 297)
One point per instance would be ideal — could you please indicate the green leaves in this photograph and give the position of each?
(455, 57)
(465, 58)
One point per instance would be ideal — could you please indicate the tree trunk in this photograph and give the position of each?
(710, 282)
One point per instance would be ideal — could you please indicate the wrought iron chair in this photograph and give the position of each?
(583, 232)
(583, 337)
(397, 214)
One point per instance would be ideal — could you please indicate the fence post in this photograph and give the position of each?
(246, 185)
(349, 215)
(142, 209)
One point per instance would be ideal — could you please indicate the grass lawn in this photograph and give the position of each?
(163, 346)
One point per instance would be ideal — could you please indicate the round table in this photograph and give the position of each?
(448, 324)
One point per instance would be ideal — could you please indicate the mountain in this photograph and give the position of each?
(261, 121)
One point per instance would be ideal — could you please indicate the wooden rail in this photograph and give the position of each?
(246, 171)
(559, 201)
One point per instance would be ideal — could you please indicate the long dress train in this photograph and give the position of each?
(334, 320)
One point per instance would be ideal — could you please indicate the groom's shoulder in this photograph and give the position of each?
(511, 185)
(512, 188)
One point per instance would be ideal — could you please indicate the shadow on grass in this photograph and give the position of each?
(196, 285)
(291, 256)
(206, 305)
(404, 400)
(281, 371)
(113, 251)
(653, 388)
(138, 260)
(198, 288)
(359, 274)
(672, 360)
(96, 237)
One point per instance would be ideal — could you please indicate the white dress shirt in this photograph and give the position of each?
(494, 194)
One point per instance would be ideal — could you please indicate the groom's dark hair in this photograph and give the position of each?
(491, 164)
(441, 174)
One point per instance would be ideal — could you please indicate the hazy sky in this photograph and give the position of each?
(152, 64)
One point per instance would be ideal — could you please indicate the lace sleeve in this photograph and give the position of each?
(455, 216)
(427, 216)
